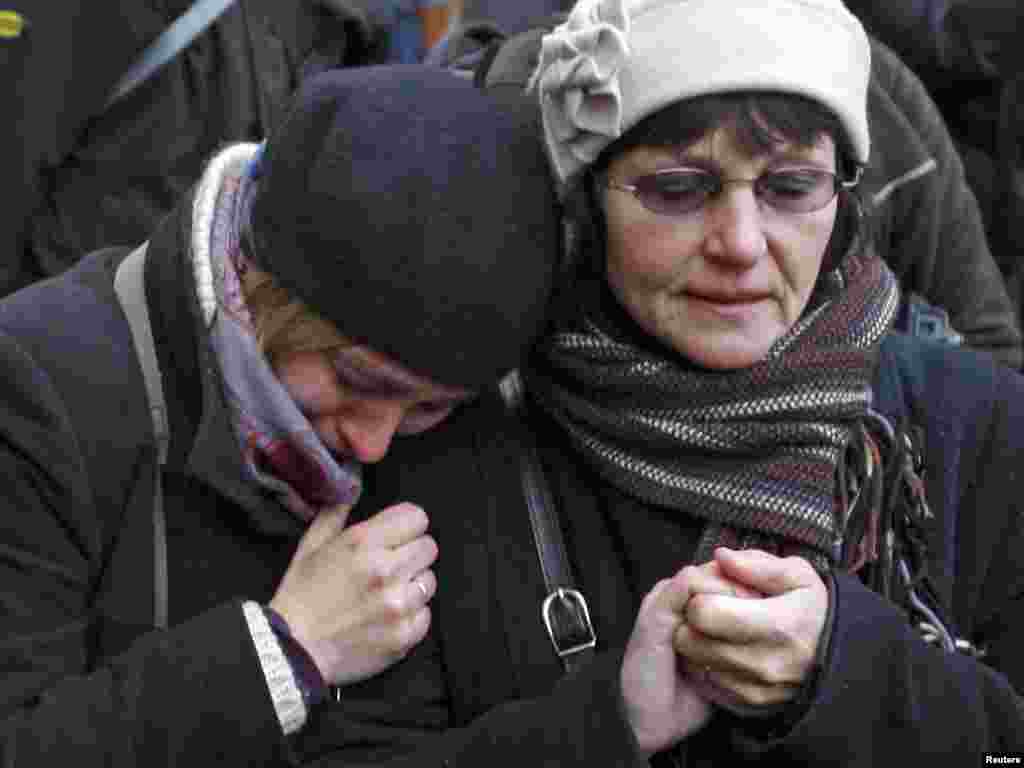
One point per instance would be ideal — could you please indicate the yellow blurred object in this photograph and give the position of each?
(12, 24)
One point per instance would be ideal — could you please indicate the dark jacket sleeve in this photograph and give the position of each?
(910, 700)
(930, 228)
(191, 695)
(884, 694)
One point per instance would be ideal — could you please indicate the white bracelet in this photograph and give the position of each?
(284, 691)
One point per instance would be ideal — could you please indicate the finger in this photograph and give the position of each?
(327, 524)
(710, 579)
(755, 664)
(423, 587)
(389, 528)
(765, 572)
(670, 597)
(399, 637)
(414, 557)
(659, 614)
(418, 627)
(675, 593)
(732, 619)
(737, 694)
(393, 608)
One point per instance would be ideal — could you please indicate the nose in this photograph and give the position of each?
(734, 233)
(367, 428)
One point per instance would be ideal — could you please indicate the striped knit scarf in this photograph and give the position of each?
(753, 452)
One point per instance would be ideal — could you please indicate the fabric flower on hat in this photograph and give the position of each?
(577, 78)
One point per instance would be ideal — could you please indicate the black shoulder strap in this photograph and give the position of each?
(564, 610)
(129, 283)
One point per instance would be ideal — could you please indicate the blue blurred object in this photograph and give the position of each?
(402, 24)
(925, 321)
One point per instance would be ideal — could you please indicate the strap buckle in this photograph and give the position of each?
(567, 619)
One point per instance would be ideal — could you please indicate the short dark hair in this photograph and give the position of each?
(759, 120)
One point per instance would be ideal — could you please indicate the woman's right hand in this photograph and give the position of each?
(356, 598)
(662, 704)
(665, 702)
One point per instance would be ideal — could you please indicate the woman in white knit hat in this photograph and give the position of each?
(729, 442)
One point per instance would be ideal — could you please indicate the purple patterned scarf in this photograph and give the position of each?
(280, 449)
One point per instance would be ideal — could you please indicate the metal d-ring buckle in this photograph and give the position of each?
(567, 619)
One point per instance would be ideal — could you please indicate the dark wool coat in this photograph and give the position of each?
(76, 177)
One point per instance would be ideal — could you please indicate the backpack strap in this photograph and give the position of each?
(129, 284)
(172, 41)
(564, 611)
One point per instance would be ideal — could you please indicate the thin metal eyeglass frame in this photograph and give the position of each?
(841, 184)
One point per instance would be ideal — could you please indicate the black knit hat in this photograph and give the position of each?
(416, 213)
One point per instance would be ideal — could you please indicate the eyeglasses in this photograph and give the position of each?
(679, 191)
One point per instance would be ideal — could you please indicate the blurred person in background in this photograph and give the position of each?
(80, 174)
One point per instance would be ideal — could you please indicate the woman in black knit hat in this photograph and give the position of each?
(192, 599)
(737, 521)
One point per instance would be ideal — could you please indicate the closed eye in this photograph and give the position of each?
(677, 185)
(424, 416)
(793, 183)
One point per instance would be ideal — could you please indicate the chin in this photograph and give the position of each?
(724, 354)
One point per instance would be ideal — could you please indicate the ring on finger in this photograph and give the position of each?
(422, 587)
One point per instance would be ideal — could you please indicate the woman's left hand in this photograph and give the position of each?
(753, 652)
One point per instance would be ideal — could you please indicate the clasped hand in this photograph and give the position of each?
(356, 597)
(740, 632)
